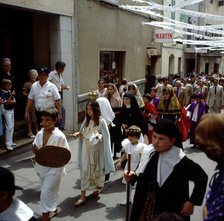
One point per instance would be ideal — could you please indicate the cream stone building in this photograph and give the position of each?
(212, 61)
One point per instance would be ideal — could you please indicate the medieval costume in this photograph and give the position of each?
(168, 186)
(196, 109)
(132, 115)
(169, 106)
(163, 178)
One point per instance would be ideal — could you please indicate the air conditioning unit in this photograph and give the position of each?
(221, 3)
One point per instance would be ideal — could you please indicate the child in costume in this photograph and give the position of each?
(163, 177)
(95, 158)
(50, 177)
(133, 146)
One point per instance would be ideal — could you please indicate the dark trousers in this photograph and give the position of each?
(61, 123)
(192, 132)
(39, 121)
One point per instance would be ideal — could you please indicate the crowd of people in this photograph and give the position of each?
(143, 132)
(44, 89)
(151, 128)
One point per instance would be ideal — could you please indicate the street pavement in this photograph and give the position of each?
(106, 207)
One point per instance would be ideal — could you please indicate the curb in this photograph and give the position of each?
(20, 143)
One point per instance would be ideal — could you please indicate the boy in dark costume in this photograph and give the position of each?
(163, 177)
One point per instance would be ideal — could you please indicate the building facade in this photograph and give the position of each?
(93, 37)
(173, 60)
(203, 59)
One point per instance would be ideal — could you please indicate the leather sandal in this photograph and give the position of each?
(53, 214)
(79, 203)
(97, 192)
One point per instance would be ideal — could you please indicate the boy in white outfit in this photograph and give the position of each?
(49, 177)
(9, 101)
(131, 145)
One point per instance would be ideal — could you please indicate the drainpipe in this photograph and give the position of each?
(75, 76)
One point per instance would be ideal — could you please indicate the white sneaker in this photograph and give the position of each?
(9, 147)
(13, 145)
(30, 135)
(124, 203)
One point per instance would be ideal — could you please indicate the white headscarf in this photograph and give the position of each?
(138, 96)
(105, 109)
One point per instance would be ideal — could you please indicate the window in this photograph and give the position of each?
(221, 3)
(111, 66)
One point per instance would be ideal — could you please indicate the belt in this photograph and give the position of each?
(39, 109)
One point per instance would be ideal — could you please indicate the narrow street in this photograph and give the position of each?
(106, 207)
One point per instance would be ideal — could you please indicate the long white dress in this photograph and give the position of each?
(90, 170)
(94, 160)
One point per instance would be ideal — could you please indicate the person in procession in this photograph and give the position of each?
(163, 177)
(131, 145)
(94, 158)
(50, 177)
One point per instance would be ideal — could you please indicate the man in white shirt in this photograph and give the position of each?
(56, 78)
(45, 95)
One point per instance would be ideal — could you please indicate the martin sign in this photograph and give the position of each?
(163, 36)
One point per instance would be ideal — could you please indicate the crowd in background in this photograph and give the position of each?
(183, 100)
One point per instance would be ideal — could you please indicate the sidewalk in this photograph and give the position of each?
(23, 145)
(19, 143)
(19, 137)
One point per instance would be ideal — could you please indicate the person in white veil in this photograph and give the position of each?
(108, 115)
(106, 110)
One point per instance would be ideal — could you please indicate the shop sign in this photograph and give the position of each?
(163, 36)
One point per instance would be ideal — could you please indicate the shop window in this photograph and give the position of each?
(111, 66)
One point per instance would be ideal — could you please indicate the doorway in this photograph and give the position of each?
(16, 44)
